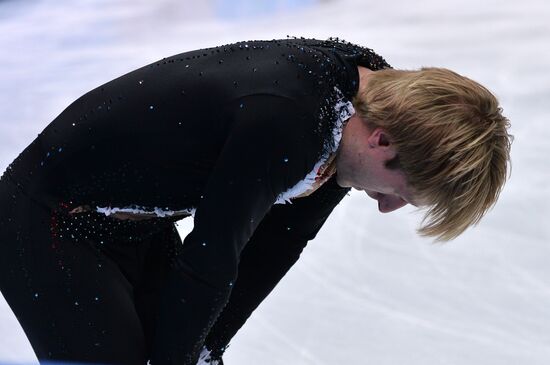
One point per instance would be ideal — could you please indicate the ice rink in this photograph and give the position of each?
(367, 290)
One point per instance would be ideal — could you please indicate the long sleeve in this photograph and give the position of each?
(273, 249)
(270, 148)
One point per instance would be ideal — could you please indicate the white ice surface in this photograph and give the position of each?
(367, 290)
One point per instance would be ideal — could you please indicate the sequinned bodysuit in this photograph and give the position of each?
(236, 135)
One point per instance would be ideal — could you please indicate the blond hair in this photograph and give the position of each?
(451, 139)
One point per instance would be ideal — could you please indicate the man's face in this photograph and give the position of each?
(360, 165)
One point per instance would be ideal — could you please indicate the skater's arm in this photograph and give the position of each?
(275, 246)
(265, 154)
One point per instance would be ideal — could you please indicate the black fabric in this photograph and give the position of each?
(224, 130)
(82, 287)
(275, 246)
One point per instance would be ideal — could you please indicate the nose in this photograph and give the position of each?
(388, 203)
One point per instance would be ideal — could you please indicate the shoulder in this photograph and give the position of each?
(337, 60)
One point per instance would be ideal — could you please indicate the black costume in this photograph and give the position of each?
(223, 132)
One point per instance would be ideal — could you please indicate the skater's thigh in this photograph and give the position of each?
(72, 301)
(157, 253)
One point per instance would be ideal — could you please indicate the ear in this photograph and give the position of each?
(380, 140)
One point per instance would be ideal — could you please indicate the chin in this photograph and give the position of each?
(341, 182)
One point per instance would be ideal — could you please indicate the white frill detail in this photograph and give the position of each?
(159, 212)
(343, 109)
(205, 359)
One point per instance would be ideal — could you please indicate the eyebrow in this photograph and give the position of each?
(417, 204)
(412, 202)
